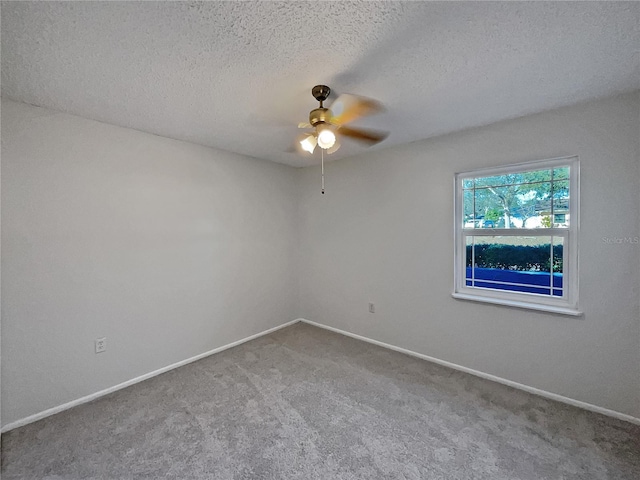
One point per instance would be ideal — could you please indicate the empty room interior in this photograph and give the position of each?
(320, 240)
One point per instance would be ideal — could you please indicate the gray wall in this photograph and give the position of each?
(171, 249)
(383, 233)
(166, 248)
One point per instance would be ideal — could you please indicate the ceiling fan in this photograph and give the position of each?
(330, 124)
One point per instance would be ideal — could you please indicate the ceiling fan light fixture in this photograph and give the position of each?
(326, 137)
(308, 143)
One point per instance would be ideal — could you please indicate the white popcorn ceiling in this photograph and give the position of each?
(238, 75)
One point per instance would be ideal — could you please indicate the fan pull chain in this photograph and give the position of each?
(322, 163)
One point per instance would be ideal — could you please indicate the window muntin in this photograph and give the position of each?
(516, 233)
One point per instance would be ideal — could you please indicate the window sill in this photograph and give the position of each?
(518, 304)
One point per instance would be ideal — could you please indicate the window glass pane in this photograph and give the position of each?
(469, 261)
(467, 183)
(513, 178)
(561, 203)
(528, 205)
(518, 200)
(514, 206)
(514, 263)
(531, 205)
(558, 266)
(489, 207)
(468, 213)
(561, 173)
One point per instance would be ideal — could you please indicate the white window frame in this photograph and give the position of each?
(568, 303)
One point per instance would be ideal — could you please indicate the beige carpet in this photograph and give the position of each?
(304, 403)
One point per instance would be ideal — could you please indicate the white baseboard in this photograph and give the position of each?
(504, 381)
(120, 386)
(488, 376)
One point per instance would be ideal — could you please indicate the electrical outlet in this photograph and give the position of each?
(101, 345)
(372, 308)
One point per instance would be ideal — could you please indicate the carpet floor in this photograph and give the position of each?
(304, 403)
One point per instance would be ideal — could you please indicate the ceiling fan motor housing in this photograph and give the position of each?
(319, 115)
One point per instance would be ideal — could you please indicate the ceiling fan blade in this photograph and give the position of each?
(333, 149)
(304, 125)
(348, 108)
(368, 136)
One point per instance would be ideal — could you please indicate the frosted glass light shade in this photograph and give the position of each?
(326, 138)
(308, 143)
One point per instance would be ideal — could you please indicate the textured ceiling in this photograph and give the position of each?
(238, 75)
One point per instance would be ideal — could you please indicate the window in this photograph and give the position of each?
(516, 235)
